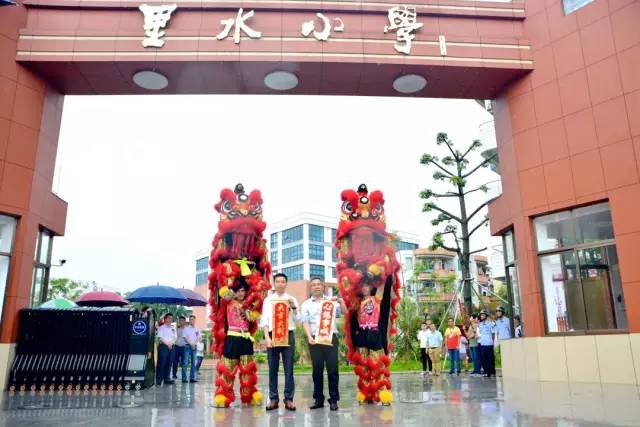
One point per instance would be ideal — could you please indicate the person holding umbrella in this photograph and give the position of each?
(165, 350)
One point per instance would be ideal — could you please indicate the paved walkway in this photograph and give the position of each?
(444, 401)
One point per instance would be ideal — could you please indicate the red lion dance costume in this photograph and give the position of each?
(238, 262)
(368, 279)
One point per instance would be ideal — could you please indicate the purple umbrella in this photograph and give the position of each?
(194, 298)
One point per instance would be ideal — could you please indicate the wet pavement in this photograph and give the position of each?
(444, 401)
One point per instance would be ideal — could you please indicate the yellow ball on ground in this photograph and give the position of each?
(256, 398)
(386, 397)
(361, 397)
(220, 401)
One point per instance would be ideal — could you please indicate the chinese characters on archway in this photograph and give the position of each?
(402, 19)
(155, 18)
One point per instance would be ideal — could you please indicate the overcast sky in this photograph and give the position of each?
(141, 173)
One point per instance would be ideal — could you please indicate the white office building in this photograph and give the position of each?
(301, 246)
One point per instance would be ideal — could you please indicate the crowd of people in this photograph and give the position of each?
(179, 346)
(472, 342)
(469, 347)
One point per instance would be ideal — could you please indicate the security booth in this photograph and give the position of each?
(83, 348)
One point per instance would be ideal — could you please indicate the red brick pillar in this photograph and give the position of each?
(30, 114)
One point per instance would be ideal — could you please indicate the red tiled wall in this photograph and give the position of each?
(30, 114)
(569, 133)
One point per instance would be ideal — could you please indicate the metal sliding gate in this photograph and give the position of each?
(83, 348)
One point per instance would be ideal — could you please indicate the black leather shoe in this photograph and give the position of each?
(317, 405)
(333, 406)
(169, 382)
(194, 381)
(273, 404)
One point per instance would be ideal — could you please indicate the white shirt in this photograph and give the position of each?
(166, 333)
(423, 337)
(200, 349)
(267, 308)
(180, 334)
(464, 343)
(190, 335)
(310, 313)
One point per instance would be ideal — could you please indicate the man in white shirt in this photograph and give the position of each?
(167, 338)
(434, 341)
(191, 337)
(178, 348)
(199, 354)
(273, 353)
(423, 337)
(322, 354)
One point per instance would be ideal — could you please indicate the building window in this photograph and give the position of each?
(580, 270)
(7, 232)
(274, 241)
(292, 253)
(202, 264)
(42, 267)
(511, 270)
(274, 257)
(571, 6)
(316, 233)
(334, 255)
(333, 235)
(292, 235)
(295, 272)
(202, 278)
(333, 272)
(316, 271)
(406, 246)
(316, 252)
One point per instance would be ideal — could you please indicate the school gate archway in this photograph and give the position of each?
(566, 91)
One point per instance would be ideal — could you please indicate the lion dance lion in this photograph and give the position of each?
(238, 281)
(369, 285)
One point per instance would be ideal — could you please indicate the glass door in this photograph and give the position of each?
(602, 288)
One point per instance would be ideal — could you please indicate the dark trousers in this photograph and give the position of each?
(273, 359)
(426, 360)
(165, 356)
(488, 360)
(199, 362)
(475, 357)
(178, 357)
(320, 355)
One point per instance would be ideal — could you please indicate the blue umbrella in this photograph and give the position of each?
(194, 298)
(158, 294)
